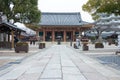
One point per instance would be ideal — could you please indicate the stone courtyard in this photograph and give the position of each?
(61, 62)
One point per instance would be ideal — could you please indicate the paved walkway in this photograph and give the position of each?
(9, 55)
(59, 62)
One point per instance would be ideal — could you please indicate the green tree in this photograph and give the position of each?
(24, 11)
(94, 7)
(102, 6)
(4, 7)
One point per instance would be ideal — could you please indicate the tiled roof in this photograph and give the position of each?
(10, 25)
(61, 19)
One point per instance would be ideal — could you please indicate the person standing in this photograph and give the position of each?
(15, 40)
(34, 40)
(31, 40)
(77, 43)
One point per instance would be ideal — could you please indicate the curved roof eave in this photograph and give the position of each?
(11, 25)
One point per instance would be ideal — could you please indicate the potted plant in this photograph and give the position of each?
(21, 46)
(85, 42)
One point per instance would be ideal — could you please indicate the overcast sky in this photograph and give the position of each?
(64, 6)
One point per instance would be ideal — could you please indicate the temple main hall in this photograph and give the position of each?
(66, 26)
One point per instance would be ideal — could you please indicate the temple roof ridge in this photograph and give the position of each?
(61, 13)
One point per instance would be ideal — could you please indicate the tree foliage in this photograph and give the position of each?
(25, 11)
(102, 6)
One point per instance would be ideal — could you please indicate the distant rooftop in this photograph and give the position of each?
(61, 19)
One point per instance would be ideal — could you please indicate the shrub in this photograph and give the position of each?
(22, 44)
(99, 45)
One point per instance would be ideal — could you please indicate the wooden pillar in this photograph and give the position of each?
(37, 33)
(53, 36)
(64, 36)
(44, 34)
(71, 35)
(8, 37)
(4, 36)
(73, 38)
(12, 33)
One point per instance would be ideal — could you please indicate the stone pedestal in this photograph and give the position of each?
(41, 45)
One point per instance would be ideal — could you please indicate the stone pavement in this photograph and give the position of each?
(59, 62)
(9, 55)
